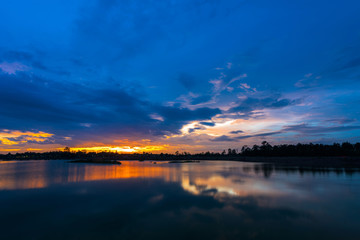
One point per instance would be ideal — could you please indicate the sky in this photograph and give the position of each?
(166, 76)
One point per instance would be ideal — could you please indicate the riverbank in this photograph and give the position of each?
(306, 162)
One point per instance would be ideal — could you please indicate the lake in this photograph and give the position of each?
(206, 200)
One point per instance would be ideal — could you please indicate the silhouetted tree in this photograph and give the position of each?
(265, 149)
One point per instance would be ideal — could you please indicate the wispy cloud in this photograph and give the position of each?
(13, 67)
(304, 129)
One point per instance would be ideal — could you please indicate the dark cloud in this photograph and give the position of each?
(341, 120)
(31, 102)
(210, 124)
(349, 64)
(124, 29)
(201, 99)
(223, 138)
(175, 117)
(300, 128)
(200, 126)
(259, 135)
(239, 115)
(188, 81)
(41, 66)
(194, 129)
(250, 104)
(307, 129)
(16, 56)
(236, 132)
(31, 59)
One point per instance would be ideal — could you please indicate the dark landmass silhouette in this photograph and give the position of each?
(305, 155)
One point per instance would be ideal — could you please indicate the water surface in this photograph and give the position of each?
(207, 200)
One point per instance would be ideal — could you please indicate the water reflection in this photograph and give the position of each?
(213, 200)
(268, 169)
(234, 178)
(40, 174)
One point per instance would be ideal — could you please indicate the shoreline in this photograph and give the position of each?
(306, 162)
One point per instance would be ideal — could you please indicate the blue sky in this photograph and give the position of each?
(177, 75)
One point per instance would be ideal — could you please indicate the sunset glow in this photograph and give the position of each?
(121, 149)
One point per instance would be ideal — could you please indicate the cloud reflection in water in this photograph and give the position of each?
(136, 200)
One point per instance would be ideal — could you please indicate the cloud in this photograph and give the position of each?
(56, 71)
(249, 104)
(19, 61)
(32, 102)
(209, 124)
(259, 135)
(37, 100)
(193, 101)
(229, 65)
(156, 117)
(341, 120)
(201, 99)
(224, 81)
(349, 64)
(188, 81)
(184, 114)
(16, 137)
(123, 29)
(13, 56)
(13, 67)
(196, 128)
(304, 129)
(346, 65)
(236, 132)
(221, 89)
(175, 118)
(245, 85)
(309, 81)
(308, 129)
(223, 138)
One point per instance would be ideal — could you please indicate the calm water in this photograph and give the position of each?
(207, 200)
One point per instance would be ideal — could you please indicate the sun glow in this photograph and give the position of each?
(122, 149)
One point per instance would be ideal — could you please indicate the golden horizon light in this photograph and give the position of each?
(122, 149)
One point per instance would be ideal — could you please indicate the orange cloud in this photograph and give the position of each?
(9, 149)
(34, 149)
(15, 137)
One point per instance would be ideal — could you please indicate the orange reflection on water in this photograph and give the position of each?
(215, 178)
(127, 169)
(40, 174)
(13, 176)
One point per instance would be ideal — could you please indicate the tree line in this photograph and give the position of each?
(265, 149)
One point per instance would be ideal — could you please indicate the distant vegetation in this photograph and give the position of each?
(264, 150)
